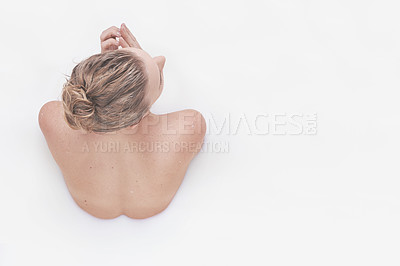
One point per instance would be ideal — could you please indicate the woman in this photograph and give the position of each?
(118, 158)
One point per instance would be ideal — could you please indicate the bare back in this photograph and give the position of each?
(129, 172)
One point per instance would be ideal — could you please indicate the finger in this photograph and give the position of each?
(123, 43)
(128, 36)
(110, 44)
(111, 32)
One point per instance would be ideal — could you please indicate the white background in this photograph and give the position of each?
(325, 199)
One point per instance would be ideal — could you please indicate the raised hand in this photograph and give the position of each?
(108, 39)
(127, 39)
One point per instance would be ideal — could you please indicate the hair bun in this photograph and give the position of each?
(106, 92)
(78, 109)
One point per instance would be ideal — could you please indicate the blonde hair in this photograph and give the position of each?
(106, 92)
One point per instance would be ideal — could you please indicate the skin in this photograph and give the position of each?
(135, 171)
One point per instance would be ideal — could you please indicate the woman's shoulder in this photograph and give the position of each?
(52, 123)
(188, 124)
(48, 115)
